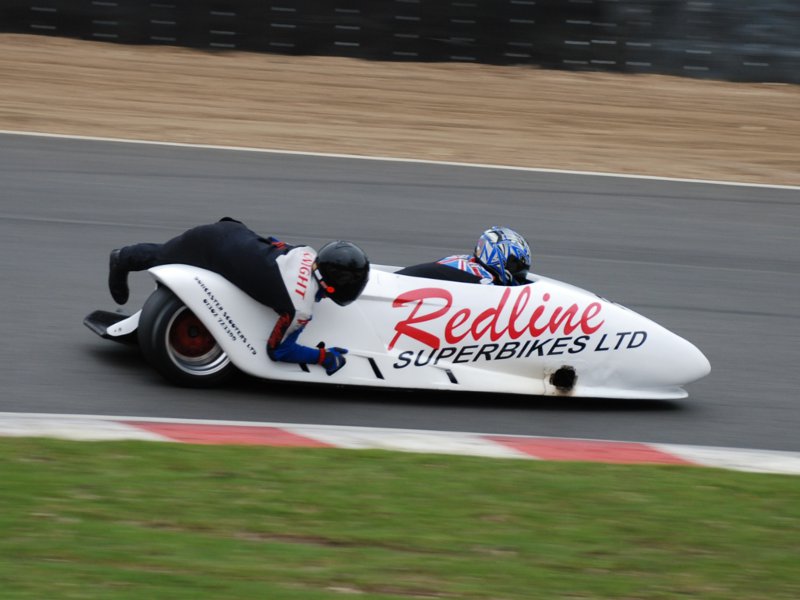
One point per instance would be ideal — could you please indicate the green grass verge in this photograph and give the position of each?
(127, 520)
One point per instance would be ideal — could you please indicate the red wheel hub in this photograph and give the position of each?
(189, 337)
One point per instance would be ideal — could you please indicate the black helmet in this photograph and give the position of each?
(342, 270)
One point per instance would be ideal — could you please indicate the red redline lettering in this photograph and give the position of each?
(516, 311)
(556, 319)
(461, 324)
(590, 312)
(457, 319)
(536, 331)
(406, 327)
(492, 314)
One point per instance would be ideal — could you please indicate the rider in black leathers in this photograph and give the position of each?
(289, 279)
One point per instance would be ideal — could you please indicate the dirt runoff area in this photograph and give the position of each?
(521, 116)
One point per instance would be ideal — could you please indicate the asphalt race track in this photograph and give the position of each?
(717, 264)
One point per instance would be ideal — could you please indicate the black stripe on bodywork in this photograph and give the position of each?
(375, 368)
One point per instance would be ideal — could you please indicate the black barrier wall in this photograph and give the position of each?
(740, 40)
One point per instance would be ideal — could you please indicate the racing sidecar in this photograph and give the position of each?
(543, 338)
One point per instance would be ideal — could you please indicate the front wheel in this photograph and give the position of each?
(177, 344)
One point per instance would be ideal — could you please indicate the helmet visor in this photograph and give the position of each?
(518, 268)
(347, 285)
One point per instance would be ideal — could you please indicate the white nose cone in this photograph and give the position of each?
(689, 363)
(667, 362)
(641, 359)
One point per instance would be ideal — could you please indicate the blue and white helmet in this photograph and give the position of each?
(505, 253)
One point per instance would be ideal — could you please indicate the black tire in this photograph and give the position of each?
(177, 344)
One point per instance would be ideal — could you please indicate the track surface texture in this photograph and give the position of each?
(717, 264)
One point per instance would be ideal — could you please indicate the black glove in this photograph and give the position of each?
(332, 358)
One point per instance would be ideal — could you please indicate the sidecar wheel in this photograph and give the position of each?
(178, 345)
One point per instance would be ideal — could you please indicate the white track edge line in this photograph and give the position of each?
(400, 160)
(325, 427)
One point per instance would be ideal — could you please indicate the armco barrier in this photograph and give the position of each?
(738, 40)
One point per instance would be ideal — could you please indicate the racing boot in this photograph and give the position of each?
(117, 278)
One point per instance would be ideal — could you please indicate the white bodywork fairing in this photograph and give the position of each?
(410, 332)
